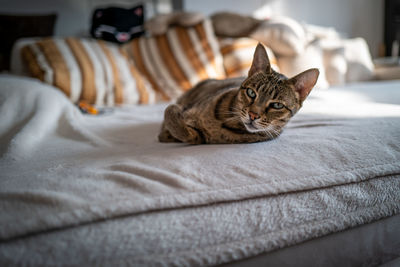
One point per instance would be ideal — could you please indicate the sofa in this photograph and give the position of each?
(181, 49)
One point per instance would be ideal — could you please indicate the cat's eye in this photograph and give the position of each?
(250, 92)
(276, 105)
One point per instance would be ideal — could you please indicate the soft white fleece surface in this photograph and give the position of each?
(60, 168)
(224, 232)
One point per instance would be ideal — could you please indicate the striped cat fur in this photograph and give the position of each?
(238, 110)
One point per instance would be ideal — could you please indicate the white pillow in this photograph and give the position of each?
(311, 57)
(335, 65)
(17, 66)
(359, 62)
(285, 36)
(319, 32)
(356, 54)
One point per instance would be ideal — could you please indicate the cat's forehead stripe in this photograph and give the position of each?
(268, 86)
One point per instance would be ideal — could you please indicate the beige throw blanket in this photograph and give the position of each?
(60, 168)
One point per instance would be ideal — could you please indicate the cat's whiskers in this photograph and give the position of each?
(235, 109)
(266, 132)
(233, 112)
(233, 119)
(274, 131)
(230, 116)
(270, 131)
(227, 113)
(238, 111)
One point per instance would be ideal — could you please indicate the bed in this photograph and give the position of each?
(82, 190)
(100, 190)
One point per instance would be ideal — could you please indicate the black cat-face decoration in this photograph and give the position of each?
(116, 24)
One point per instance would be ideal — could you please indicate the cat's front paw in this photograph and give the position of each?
(177, 126)
(173, 112)
(166, 137)
(174, 123)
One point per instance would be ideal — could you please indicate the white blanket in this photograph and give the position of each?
(60, 168)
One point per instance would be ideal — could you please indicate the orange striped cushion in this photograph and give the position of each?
(238, 54)
(175, 61)
(90, 70)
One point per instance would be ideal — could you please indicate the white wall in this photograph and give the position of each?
(74, 16)
(352, 18)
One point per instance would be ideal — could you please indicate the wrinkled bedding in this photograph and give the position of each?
(336, 166)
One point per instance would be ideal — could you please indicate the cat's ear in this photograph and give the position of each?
(304, 82)
(260, 61)
(138, 11)
(99, 13)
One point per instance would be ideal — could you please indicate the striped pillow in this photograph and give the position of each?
(94, 71)
(177, 60)
(238, 55)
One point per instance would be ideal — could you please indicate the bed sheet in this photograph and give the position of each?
(335, 166)
(241, 233)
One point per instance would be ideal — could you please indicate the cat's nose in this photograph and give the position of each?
(253, 116)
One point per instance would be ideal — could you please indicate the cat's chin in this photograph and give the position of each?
(251, 128)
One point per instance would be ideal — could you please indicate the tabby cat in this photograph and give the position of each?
(238, 110)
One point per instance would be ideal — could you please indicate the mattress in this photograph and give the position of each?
(106, 189)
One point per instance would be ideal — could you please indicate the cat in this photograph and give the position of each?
(238, 110)
(119, 25)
